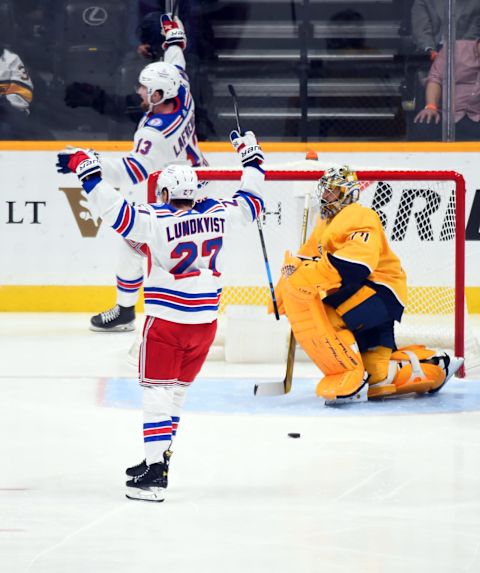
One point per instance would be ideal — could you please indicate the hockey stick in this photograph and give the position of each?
(285, 385)
(171, 7)
(231, 89)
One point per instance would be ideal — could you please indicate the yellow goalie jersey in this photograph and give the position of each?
(354, 252)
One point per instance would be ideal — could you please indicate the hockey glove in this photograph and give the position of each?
(315, 276)
(172, 29)
(83, 162)
(251, 154)
(290, 264)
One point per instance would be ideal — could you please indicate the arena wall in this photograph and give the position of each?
(54, 258)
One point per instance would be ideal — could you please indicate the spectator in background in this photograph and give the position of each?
(16, 95)
(427, 23)
(121, 106)
(467, 95)
(149, 40)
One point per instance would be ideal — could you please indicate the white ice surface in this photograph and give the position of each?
(376, 488)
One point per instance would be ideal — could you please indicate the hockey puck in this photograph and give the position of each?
(293, 435)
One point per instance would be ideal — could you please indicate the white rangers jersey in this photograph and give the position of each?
(187, 258)
(15, 83)
(161, 138)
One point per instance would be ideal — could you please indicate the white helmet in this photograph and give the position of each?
(160, 76)
(337, 188)
(180, 181)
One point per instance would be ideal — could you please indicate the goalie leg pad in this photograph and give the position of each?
(349, 382)
(335, 353)
(416, 369)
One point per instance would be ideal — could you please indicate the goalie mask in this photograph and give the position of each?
(160, 76)
(337, 188)
(180, 182)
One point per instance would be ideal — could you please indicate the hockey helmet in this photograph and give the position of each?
(160, 76)
(337, 188)
(180, 182)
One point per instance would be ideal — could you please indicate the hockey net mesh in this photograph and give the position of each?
(420, 217)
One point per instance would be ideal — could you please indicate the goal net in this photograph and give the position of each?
(423, 213)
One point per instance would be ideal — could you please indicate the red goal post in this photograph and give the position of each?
(434, 203)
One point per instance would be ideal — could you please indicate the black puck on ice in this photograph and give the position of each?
(293, 435)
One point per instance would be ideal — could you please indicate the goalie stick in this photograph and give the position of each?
(231, 89)
(284, 386)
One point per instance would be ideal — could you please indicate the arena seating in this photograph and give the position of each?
(314, 70)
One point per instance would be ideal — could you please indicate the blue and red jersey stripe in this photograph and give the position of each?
(125, 220)
(136, 171)
(254, 203)
(186, 302)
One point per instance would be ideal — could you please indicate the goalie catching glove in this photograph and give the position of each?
(308, 275)
(246, 144)
(172, 29)
(83, 162)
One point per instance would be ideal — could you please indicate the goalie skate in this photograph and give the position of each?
(361, 395)
(452, 365)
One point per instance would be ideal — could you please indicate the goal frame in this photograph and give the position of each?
(295, 174)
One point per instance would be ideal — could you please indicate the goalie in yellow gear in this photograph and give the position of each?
(342, 294)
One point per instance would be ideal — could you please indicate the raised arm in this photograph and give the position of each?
(247, 203)
(135, 223)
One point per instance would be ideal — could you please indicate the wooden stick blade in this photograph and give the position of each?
(283, 387)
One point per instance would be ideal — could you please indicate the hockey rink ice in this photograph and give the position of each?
(384, 487)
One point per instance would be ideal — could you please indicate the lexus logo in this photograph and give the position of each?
(95, 16)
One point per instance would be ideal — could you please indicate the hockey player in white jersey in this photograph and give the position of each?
(15, 83)
(166, 134)
(182, 292)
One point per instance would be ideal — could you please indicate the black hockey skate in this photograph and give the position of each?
(141, 468)
(150, 485)
(117, 319)
(137, 470)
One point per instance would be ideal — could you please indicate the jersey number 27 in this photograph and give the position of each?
(187, 252)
